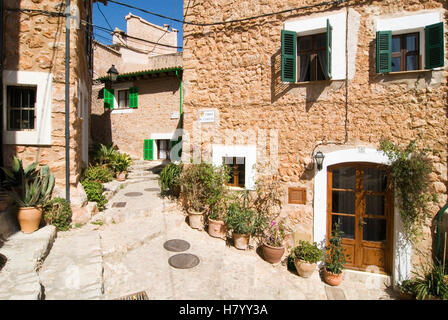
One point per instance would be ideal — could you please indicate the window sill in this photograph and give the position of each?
(123, 110)
(235, 188)
(315, 82)
(409, 72)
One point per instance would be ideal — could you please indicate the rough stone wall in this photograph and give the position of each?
(235, 69)
(36, 42)
(157, 100)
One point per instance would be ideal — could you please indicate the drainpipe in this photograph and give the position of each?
(439, 220)
(181, 82)
(67, 100)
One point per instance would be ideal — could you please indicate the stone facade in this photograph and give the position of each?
(158, 91)
(235, 69)
(35, 42)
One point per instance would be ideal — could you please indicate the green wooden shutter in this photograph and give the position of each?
(289, 56)
(434, 48)
(133, 97)
(383, 51)
(108, 98)
(329, 49)
(148, 149)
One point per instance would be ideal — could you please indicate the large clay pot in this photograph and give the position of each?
(121, 176)
(241, 241)
(272, 254)
(29, 218)
(217, 228)
(332, 279)
(304, 269)
(195, 220)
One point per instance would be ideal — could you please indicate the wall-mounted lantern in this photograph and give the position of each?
(112, 73)
(319, 157)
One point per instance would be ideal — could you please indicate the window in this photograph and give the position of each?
(123, 99)
(311, 52)
(405, 52)
(21, 101)
(308, 57)
(237, 171)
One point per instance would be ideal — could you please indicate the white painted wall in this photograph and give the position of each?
(41, 135)
(247, 151)
(401, 249)
(308, 26)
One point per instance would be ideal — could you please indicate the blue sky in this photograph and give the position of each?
(115, 15)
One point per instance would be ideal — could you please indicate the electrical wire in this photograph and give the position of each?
(107, 21)
(325, 3)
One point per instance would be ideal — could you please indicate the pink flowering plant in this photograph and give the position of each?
(274, 235)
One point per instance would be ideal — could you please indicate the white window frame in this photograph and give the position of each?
(43, 81)
(315, 25)
(249, 152)
(408, 24)
(118, 87)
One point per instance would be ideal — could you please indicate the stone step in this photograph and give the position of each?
(137, 174)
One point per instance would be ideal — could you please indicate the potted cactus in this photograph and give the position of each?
(30, 195)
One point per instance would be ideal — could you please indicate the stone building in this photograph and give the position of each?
(33, 74)
(140, 112)
(268, 94)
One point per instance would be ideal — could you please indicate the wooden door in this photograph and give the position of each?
(361, 203)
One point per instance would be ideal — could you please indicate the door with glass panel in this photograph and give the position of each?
(359, 200)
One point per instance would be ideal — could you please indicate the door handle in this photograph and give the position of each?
(362, 222)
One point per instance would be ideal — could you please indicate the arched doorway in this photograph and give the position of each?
(360, 201)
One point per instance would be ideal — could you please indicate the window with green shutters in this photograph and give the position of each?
(148, 149)
(108, 98)
(434, 48)
(289, 56)
(133, 97)
(401, 52)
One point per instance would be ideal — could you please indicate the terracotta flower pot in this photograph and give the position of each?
(241, 241)
(304, 269)
(122, 176)
(272, 254)
(195, 220)
(29, 218)
(217, 228)
(332, 279)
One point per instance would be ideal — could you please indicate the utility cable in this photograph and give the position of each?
(107, 21)
(325, 3)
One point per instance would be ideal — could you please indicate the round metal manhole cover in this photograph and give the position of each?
(183, 261)
(176, 245)
(152, 189)
(133, 194)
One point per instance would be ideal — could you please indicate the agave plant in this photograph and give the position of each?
(15, 175)
(34, 191)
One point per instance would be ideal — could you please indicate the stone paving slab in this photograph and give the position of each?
(73, 269)
(19, 279)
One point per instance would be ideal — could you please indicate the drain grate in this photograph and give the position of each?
(183, 261)
(118, 204)
(133, 194)
(176, 245)
(152, 189)
(135, 296)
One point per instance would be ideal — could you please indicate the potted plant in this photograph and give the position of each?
(169, 179)
(306, 256)
(200, 184)
(217, 227)
(242, 221)
(334, 258)
(120, 164)
(273, 246)
(30, 196)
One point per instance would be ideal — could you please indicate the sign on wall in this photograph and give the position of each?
(207, 116)
(175, 115)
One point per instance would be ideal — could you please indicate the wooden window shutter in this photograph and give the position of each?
(148, 149)
(383, 51)
(133, 97)
(289, 56)
(329, 49)
(434, 48)
(108, 98)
